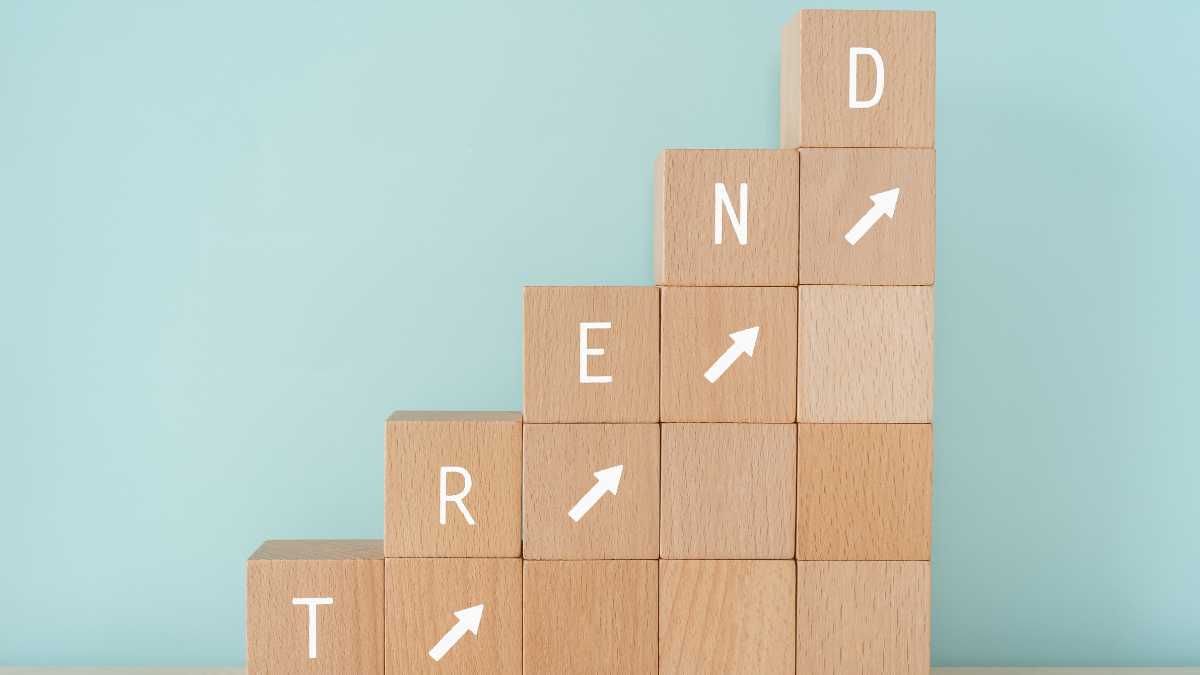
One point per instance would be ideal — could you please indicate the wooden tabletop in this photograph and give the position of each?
(23, 670)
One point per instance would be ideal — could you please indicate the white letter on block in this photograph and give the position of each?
(312, 620)
(856, 52)
(585, 351)
(456, 498)
(738, 222)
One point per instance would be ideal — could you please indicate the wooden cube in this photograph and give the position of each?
(453, 485)
(870, 618)
(591, 354)
(591, 617)
(864, 491)
(315, 607)
(867, 217)
(728, 354)
(728, 491)
(453, 615)
(725, 217)
(591, 491)
(857, 80)
(727, 617)
(866, 354)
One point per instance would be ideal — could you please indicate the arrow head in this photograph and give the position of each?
(745, 340)
(886, 201)
(470, 617)
(610, 478)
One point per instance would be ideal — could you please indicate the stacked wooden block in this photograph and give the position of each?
(729, 472)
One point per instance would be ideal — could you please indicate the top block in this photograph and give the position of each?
(857, 80)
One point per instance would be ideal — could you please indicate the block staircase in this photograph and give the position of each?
(728, 472)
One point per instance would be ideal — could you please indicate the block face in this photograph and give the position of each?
(843, 187)
(820, 106)
(699, 223)
(862, 617)
(423, 595)
(727, 617)
(591, 354)
(427, 452)
(864, 491)
(561, 462)
(708, 371)
(866, 354)
(340, 583)
(728, 491)
(591, 617)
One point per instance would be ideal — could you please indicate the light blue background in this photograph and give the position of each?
(236, 235)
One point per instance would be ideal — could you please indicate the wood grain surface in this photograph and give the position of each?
(422, 596)
(865, 618)
(593, 617)
(488, 445)
(560, 462)
(349, 631)
(864, 491)
(866, 354)
(728, 491)
(814, 82)
(685, 248)
(727, 617)
(553, 391)
(836, 185)
(696, 328)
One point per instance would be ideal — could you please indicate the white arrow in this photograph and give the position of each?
(885, 204)
(468, 620)
(607, 480)
(743, 343)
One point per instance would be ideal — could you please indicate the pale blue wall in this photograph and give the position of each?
(236, 235)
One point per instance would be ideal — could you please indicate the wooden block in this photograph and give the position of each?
(315, 607)
(866, 354)
(728, 491)
(870, 618)
(706, 234)
(727, 617)
(591, 617)
(827, 102)
(453, 485)
(571, 471)
(715, 368)
(846, 195)
(591, 354)
(427, 599)
(864, 491)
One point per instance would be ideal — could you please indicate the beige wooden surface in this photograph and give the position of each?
(685, 248)
(553, 390)
(1181, 670)
(728, 490)
(424, 594)
(696, 324)
(862, 617)
(349, 635)
(835, 189)
(866, 354)
(727, 617)
(864, 491)
(419, 444)
(560, 461)
(815, 76)
(590, 617)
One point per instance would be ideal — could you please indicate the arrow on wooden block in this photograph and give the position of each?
(885, 205)
(468, 620)
(607, 480)
(743, 343)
